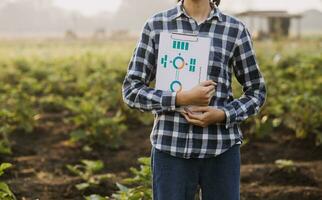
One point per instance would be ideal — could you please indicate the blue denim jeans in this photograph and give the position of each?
(176, 178)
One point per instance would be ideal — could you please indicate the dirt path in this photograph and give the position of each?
(40, 158)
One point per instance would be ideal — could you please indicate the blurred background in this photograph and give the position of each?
(97, 18)
(65, 132)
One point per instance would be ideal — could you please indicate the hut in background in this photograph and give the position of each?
(271, 23)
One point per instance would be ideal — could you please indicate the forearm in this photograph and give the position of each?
(182, 99)
(138, 95)
(247, 105)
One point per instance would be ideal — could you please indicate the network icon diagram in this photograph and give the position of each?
(182, 61)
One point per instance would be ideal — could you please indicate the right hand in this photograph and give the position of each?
(200, 95)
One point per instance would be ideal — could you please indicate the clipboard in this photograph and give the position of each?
(182, 61)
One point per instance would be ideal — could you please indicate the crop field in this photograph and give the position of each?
(65, 132)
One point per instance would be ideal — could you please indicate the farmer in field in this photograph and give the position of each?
(199, 147)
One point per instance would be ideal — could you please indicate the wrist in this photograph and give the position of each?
(182, 98)
(222, 116)
(219, 116)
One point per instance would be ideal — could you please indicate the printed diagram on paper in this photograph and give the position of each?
(182, 61)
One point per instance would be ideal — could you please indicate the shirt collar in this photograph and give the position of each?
(179, 10)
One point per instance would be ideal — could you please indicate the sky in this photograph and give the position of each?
(89, 7)
(92, 7)
(292, 6)
(44, 18)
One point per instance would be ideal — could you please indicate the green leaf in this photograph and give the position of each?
(122, 188)
(95, 197)
(5, 192)
(82, 186)
(5, 148)
(4, 166)
(75, 169)
(92, 165)
(78, 135)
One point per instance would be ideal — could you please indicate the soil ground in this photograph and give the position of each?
(40, 158)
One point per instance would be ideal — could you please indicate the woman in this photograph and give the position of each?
(189, 149)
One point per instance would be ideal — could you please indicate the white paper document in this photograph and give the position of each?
(182, 61)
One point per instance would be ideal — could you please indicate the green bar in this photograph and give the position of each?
(177, 75)
(193, 61)
(178, 45)
(174, 44)
(192, 68)
(182, 45)
(187, 46)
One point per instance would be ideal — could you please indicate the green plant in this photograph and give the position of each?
(287, 165)
(293, 101)
(5, 192)
(16, 114)
(87, 171)
(95, 197)
(138, 187)
(82, 88)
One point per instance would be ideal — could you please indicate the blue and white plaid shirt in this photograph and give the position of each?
(231, 51)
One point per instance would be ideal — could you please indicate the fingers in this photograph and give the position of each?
(211, 93)
(193, 121)
(198, 117)
(207, 83)
(185, 116)
(210, 88)
(199, 109)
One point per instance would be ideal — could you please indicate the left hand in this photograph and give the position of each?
(210, 115)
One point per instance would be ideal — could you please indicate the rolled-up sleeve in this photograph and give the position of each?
(141, 72)
(248, 74)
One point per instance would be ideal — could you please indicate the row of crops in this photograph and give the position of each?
(79, 84)
(82, 90)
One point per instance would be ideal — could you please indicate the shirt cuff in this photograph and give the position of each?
(168, 101)
(230, 117)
